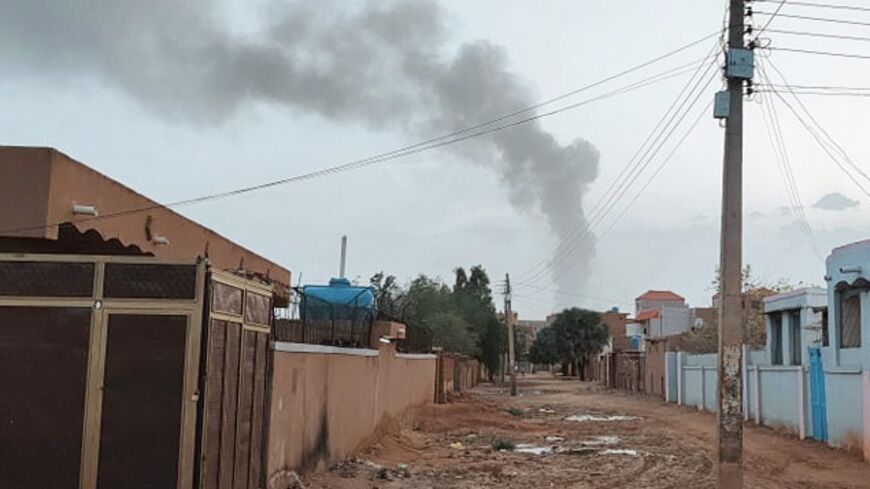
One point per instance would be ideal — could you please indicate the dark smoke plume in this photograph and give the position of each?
(381, 64)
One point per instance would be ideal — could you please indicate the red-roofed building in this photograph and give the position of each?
(653, 299)
(661, 313)
(661, 295)
(646, 315)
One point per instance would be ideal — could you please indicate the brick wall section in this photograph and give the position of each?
(455, 374)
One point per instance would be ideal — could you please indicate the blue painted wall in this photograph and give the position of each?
(779, 397)
(779, 391)
(691, 383)
(711, 390)
(845, 404)
(671, 362)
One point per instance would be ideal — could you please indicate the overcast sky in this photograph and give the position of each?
(78, 83)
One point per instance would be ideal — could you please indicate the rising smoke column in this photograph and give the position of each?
(381, 64)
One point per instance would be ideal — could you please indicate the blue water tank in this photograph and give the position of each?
(338, 300)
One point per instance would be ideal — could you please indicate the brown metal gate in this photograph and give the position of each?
(235, 387)
(99, 358)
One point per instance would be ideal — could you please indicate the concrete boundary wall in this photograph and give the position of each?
(326, 401)
(774, 395)
(455, 374)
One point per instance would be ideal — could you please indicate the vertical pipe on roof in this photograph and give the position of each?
(341, 267)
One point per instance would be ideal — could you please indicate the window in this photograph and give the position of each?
(850, 319)
(794, 319)
(776, 339)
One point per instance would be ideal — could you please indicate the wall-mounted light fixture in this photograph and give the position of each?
(84, 210)
(160, 240)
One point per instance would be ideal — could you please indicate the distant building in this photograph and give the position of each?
(660, 313)
(795, 321)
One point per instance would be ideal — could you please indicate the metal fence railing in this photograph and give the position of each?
(325, 323)
(418, 338)
(348, 325)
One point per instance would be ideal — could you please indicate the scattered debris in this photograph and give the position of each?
(384, 474)
(515, 411)
(532, 449)
(601, 440)
(346, 469)
(554, 439)
(286, 480)
(547, 411)
(578, 451)
(581, 418)
(619, 451)
(501, 444)
(457, 445)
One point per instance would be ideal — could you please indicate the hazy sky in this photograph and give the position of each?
(79, 82)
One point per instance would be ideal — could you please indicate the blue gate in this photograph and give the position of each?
(817, 390)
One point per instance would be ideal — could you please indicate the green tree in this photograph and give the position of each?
(543, 349)
(451, 332)
(425, 296)
(579, 333)
(472, 298)
(387, 291)
(462, 318)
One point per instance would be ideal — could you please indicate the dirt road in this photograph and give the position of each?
(566, 434)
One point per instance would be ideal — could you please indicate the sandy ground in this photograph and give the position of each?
(617, 440)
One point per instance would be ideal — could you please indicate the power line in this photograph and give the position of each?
(658, 170)
(820, 53)
(780, 151)
(558, 272)
(820, 34)
(825, 6)
(816, 19)
(441, 141)
(648, 155)
(574, 294)
(813, 87)
(601, 208)
(772, 16)
(830, 138)
(823, 93)
(824, 144)
(637, 195)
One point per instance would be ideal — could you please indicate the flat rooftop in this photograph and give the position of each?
(40, 187)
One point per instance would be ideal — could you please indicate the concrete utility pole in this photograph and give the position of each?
(509, 321)
(730, 416)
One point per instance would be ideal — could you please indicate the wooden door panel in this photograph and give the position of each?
(142, 401)
(43, 370)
